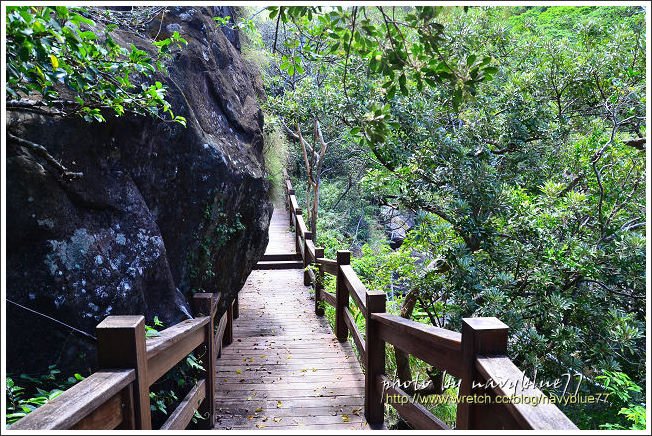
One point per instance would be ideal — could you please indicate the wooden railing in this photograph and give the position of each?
(477, 356)
(117, 396)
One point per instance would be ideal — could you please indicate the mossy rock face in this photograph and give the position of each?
(157, 203)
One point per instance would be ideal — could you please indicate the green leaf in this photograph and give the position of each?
(402, 83)
(79, 19)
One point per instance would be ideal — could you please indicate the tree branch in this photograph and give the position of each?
(43, 152)
(637, 143)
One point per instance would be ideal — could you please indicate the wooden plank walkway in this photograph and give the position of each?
(285, 368)
(280, 238)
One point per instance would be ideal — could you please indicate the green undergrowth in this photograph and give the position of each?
(27, 392)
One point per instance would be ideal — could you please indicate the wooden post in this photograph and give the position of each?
(205, 304)
(236, 306)
(228, 332)
(341, 296)
(290, 190)
(289, 205)
(297, 236)
(374, 406)
(480, 336)
(319, 282)
(306, 259)
(121, 345)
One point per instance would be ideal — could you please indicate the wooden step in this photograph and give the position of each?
(281, 256)
(279, 264)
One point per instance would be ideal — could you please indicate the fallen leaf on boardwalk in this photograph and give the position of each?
(238, 371)
(356, 411)
(345, 418)
(258, 410)
(249, 398)
(260, 425)
(279, 404)
(314, 370)
(289, 356)
(250, 417)
(264, 418)
(277, 419)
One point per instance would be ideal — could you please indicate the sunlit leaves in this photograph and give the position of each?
(405, 51)
(50, 48)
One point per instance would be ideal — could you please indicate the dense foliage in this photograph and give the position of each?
(60, 58)
(26, 392)
(507, 143)
(513, 139)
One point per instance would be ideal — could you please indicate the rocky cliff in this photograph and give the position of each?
(160, 212)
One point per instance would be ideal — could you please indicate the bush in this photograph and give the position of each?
(275, 152)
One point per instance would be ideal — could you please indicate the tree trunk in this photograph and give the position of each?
(402, 359)
(315, 211)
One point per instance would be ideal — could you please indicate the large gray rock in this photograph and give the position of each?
(161, 211)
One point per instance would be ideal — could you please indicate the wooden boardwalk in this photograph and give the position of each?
(285, 371)
(285, 368)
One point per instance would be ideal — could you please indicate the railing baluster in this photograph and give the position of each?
(342, 296)
(121, 345)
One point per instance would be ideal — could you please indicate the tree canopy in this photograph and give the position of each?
(513, 138)
(60, 58)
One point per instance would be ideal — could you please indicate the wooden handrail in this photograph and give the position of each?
(219, 334)
(102, 391)
(294, 205)
(301, 226)
(458, 354)
(328, 298)
(119, 397)
(421, 341)
(355, 333)
(310, 245)
(503, 373)
(173, 344)
(182, 415)
(288, 186)
(330, 265)
(414, 413)
(434, 336)
(356, 289)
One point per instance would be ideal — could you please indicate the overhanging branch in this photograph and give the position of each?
(45, 154)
